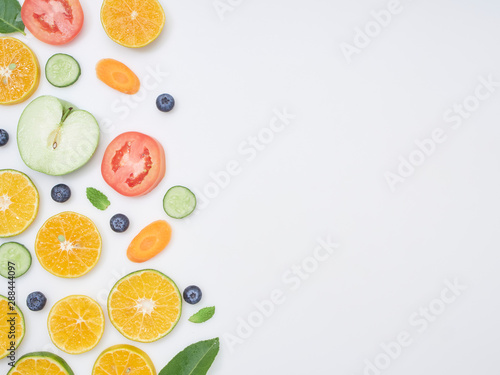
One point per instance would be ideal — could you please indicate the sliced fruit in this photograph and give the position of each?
(11, 320)
(19, 71)
(145, 305)
(179, 202)
(68, 245)
(117, 76)
(76, 324)
(123, 360)
(18, 202)
(38, 363)
(55, 137)
(150, 241)
(133, 164)
(132, 23)
(15, 259)
(53, 22)
(62, 70)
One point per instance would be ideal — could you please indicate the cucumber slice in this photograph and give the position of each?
(62, 70)
(179, 202)
(15, 253)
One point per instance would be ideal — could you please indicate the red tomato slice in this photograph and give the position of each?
(133, 164)
(53, 21)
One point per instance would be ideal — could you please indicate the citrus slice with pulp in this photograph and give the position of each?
(68, 245)
(145, 305)
(76, 324)
(38, 363)
(123, 360)
(132, 23)
(19, 71)
(18, 202)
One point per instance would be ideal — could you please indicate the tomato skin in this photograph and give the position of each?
(133, 164)
(54, 22)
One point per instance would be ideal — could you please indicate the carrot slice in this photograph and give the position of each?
(150, 241)
(117, 76)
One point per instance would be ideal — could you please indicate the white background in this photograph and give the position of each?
(322, 176)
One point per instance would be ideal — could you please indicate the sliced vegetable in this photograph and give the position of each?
(133, 164)
(179, 202)
(62, 70)
(14, 257)
(150, 241)
(117, 76)
(54, 22)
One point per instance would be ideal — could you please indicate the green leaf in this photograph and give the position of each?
(203, 315)
(196, 359)
(10, 17)
(98, 199)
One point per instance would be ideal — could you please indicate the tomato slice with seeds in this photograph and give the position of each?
(133, 164)
(53, 21)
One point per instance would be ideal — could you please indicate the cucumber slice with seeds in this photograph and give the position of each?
(16, 253)
(179, 202)
(62, 70)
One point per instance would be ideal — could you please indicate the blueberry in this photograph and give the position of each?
(192, 294)
(4, 137)
(60, 193)
(36, 301)
(119, 223)
(165, 102)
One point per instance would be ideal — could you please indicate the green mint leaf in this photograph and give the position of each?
(10, 17)
(203, 315)
(196, 359)
(98, 199)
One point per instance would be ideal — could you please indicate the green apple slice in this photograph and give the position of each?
(55, 137)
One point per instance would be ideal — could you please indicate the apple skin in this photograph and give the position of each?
(55, 137)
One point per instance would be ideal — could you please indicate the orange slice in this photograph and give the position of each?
(18, 202)
(10, 314)
(40, 363)
(19, 71)
(123, 360)
(68, 245)
(132, 23)
(76, 324)
(145, 305)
